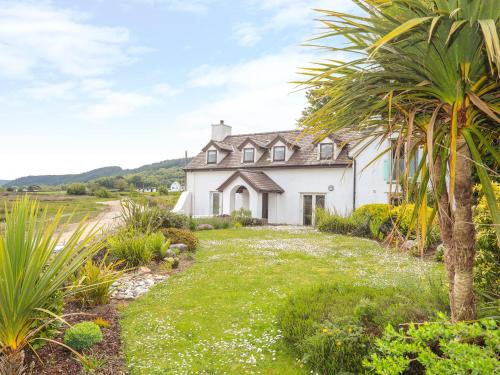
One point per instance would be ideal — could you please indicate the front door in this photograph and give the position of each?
(265, 205)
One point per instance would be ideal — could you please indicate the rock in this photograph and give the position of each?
(179, 246)
(142, 270)
(205, 227)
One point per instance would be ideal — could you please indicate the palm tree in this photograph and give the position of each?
(31, 273)
(425, 72)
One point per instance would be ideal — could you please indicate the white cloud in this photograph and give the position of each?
(247, 34)
(45, 91)
(251, 96)
(39, 36)
(283, 14)
(166, 90)
(191, 6)
(117, 104)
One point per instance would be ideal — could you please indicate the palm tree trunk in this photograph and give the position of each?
(446, 226)
(463, 307)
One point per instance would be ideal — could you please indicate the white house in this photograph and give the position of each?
(175, 186)
(283, 176)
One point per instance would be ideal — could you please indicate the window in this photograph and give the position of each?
(215, 203)
(212, 157)
(248, 155)
(278, 153)
(397, 161)
(326, 151)
(310, 203)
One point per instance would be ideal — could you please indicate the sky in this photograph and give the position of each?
(93, 83)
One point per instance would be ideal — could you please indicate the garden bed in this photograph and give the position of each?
(107, 355)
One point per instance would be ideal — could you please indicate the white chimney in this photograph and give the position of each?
(220, 131)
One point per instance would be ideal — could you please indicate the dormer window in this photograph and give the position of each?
(279, 153)
(325, 151)
(212, 157)
(248, 155)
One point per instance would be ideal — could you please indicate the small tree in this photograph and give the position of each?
(76, 189)
(425, 72)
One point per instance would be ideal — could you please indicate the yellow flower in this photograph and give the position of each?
(338, 343)
(349, 330)
(325, 330)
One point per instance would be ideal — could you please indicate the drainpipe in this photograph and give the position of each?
(354, 185)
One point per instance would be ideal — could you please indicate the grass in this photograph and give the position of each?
(219, 316)
(79, 205)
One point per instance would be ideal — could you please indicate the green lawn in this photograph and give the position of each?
(219, 315)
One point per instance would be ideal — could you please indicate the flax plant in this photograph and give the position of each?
(426, 73)
(31, 272)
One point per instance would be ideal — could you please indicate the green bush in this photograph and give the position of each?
(438, 348)
(141, 216)
(83, 335)
(50, 329)
(331, 327)
(327, 222)
(243, 216)
(375, 216)
(76, 189)
(131, 247)
(183, 236)
(487, 262)
(93, 282)
(158, 244)
(102, 193)
(170, 219)
(402, 217)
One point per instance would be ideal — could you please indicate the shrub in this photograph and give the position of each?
(332, 327)
(83, 335)
(76, 189)
(102, 193)
(375, 215)
(183, 236)
(402, 218)
(438, 348)
(131, 246)
(327, 222)
(170, 219)
(487, 262)
(242, 216)
(94, 281)
(158, 244)
(141, 216)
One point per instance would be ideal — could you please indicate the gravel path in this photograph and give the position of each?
(106, 220)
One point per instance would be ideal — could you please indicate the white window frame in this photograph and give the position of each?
(253, 154)
(274, 153)
(326, 144)
(211, 208)
(208, 157)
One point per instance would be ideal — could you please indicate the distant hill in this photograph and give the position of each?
(65, 178)
(169, 167)
(3, 182)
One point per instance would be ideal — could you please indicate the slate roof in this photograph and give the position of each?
(305, 153)
(256, 179)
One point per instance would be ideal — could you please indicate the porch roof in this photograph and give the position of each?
(258, 180)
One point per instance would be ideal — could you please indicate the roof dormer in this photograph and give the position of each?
(216, 151)
(251, 150)
(282, 149)
(328, 148)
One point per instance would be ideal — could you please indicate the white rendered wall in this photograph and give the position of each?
(371, 185)
(284, 208)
